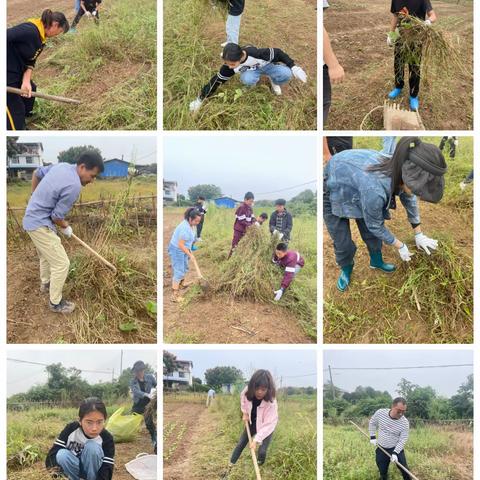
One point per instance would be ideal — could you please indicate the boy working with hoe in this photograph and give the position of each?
(54, 191)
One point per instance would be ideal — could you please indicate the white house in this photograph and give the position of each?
(170, 191)
(181, 377)
(22, 165)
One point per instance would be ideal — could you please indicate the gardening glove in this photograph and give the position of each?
(278, 294)
(455, 142)
(278, 234)
(389, 40)
(196, 104)
(425, 243)
(67, 231)
(394, 458)
(428, 22)
(299, 74)
(373, 441)
(405, 253)
(88, 14)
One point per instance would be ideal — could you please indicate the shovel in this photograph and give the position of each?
(203, 281)
(95, 254)
(252, 451)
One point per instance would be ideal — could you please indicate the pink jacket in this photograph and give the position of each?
(267, 416)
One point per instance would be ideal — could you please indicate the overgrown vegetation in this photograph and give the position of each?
(193, 32)
(111, 67)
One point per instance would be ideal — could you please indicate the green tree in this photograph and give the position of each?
(462, 402)
(218, 376)
(169, 362)
(405, 388)
(207, 191)
(307, 196)
(419, 402)
(13, 147)
(71, 154)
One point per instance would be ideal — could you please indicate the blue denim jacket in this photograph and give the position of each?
(356, 192)
(150, 382)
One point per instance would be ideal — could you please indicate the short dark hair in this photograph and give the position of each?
(138, 366)
(92, 404)
(249, 196)
(263, 215)
(200, 197)
(91, 159)
(398, 400)
(282, 247)
(48, 17)
(191, 214)
(232, 52)
(280, 201)
(261, 378)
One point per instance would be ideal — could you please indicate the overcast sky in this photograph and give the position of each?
(444, 380)
(111, 147)
(239, 164)
(292, 365)
(20, 376)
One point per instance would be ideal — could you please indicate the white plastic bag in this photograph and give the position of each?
(143, 467)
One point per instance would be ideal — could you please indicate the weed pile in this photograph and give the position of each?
(427, 46)
(250, 273)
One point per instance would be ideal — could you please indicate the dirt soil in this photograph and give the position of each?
(222, 319)
(358, 35)
(411, 328)
(20, 10)
(193, 418)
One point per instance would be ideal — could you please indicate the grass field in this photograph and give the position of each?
(110, 308)
(368, 62)
(204, 440)
(193, 32)
(213, 316)
(30, 435)
(429, 300)
(111, 68)
(439, 453)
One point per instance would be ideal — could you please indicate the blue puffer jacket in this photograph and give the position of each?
(356, 192)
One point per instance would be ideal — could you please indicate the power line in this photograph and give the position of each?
(300, 376)
(288, 188)
(16, 360)
(404, 368)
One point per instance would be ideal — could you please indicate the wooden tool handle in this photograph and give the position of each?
(197, 268)
(45, 96)
(93, 252)
(252, 451)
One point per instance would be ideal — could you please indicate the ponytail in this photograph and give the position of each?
(48, 17)
(191, 214)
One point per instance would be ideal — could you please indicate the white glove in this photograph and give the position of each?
(299, 74)
(94, 13)
(405, 253)
(278, 234)
(428, 22)
(373, 441)
(196, 104)
(68, 232)
(278, 294)
(88, 14)
(389, 41)
(394, 458)
(149, 395)
(425, 243)
(455, 142)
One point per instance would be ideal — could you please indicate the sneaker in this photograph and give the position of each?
(224, 44)
(414, 103)
(199, 239)
(395, 93)
(63, 307)
(45, 287)
(276, 89)
(463, 186)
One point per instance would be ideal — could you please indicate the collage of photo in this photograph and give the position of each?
(301, 250)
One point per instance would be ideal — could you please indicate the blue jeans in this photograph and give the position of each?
(233, 28)
(77, 5)
(85, 466)
(179, 263)
(279, 74)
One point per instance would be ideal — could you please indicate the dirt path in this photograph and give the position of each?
(191, 421)
(358, 36)
(222, 319)
(20, 10)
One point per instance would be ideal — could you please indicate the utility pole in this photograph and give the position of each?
(331, 382)
(113, 375)
(121, 362)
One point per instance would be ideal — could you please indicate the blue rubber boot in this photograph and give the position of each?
(414, 104)
(376, 262)
(344, 279)
(395, 93)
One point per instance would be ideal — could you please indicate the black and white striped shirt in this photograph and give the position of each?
(392, 432)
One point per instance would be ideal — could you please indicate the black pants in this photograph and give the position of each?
(200, 228)
(140, 408)
(414, 73)
(327, 94)
(243, 442)
(383, 462)
(340, 233)
(339, 144)
(451, 144)
(80, 14)
(18, 108)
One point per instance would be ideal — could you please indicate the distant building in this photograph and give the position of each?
(170, 191)
(226, 202)
(115, 168)
(182, 377)
(22, 165)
